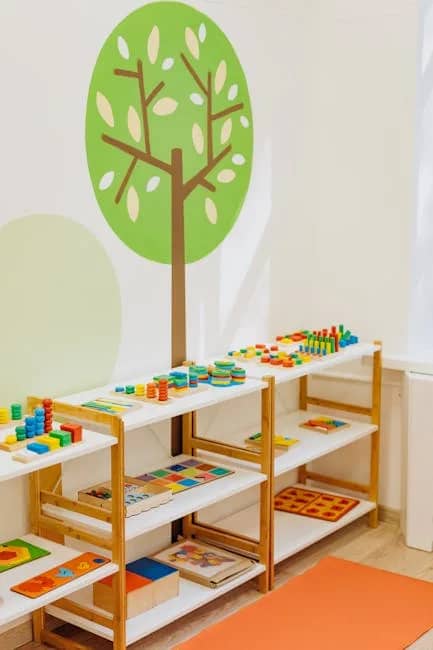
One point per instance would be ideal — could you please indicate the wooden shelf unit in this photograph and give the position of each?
(65, 516)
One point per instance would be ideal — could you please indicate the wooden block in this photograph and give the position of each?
(139, 594)
(53, 443)
(14, 446)
(76, 431)
(139, 496)
(165, 578)
(64, 437)
(25, 456)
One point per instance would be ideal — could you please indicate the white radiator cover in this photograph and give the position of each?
(418, 462)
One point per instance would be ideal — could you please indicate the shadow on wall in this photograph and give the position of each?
(61, 316)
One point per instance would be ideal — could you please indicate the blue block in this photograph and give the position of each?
(40, 412)
(119, 389)
(30, 420)
(150, 569)
(38, 448)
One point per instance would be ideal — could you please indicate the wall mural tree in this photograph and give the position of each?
(169, 139)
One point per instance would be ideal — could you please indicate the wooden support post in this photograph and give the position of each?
(266, 539)
(118, 537)
(189, 422)
(375, 437)
(303, 397)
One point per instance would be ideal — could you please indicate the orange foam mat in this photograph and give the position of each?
(337, 605)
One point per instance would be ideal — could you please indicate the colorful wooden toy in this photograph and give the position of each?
(164, 577)
(163, 390)
(324, 424)
(139, 496)
(38, 448)
(17, 552)
(60, 575)
(310, 503)
(188, 474)
(76, 431)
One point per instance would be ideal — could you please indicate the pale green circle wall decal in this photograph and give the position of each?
(167, 77)
(61, 310)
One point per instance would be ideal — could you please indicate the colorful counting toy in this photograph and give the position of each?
(15, 413)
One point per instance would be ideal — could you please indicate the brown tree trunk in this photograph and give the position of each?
(178, 295)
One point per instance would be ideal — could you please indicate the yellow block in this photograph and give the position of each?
(52, 443)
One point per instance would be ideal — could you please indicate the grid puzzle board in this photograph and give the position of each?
(179, 477)
(318, 505)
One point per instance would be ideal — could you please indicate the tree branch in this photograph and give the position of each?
(143, 104)
(151, 96)
(227, 111)
(209, 119)
(201, 175)
(137, 153)
(125, 180)
(193, 74)
(126, 73)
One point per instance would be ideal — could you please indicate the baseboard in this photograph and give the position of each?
(389, 515)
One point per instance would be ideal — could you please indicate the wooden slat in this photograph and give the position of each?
(85, 612)
(56, 526)
(61, 642)
(339, 406)
(337, 482)
(226, 450)
(226, 537)
(303, 396)
(75, 506)
(118, 537)
(266, 549)
(373, 493)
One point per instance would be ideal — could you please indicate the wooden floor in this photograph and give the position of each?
(382, 547)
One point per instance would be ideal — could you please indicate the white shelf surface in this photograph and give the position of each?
(311, 445)
(13, 606)
(91, 442)
(293, 533)
(259, 370)
(191, 596)
(149, 413)
(182, 504)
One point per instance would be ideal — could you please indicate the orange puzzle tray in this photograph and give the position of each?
(60, 575)
(309, 503)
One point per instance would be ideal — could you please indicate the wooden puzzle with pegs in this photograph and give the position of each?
(185, 475)
(309, 503)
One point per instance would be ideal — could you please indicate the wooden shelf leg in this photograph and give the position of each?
(373, 518)
(266, 580)
(303, 393)
(118, 538)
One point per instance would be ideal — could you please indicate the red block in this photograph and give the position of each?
(76, 431)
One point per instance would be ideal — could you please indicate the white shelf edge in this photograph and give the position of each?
(182, 504)
(92, 442)
(192, 596)
(14, 606)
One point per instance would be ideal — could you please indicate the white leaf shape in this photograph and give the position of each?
(133, 203)
(226, 176)
(153, 44)
(134, 124)
(123, 48)
(104, 109)
(167, 64)
(226, 130)
(106, 181)
(211, 211)
(238, 159)
(202, 32)
(153, 183)
(233, 92)
(192, 43)
(165, 106)
(196, 99)
(245, 121)
(220, 77)
(197, 138)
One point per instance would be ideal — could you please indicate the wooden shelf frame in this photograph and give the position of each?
(46, 487)
(261, 548)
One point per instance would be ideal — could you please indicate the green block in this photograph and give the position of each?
(64, 437)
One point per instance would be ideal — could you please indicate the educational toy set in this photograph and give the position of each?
(14, 414)
(309, 503)
(284, 442)
(148, 584)
(60, 575)
(324, 424)
(17, 552)
(188, 474)
(37, 436)
(139, 496)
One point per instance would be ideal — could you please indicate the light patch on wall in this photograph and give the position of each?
(61, 317)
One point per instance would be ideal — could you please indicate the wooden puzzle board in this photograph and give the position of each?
(60, 575)
(17, 552)
(172, 394)
(309, 503)
(191, 473)
(324, 424)
(111, 406)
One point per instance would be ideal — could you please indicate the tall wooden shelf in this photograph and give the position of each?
(256, 531)
(63, 515)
